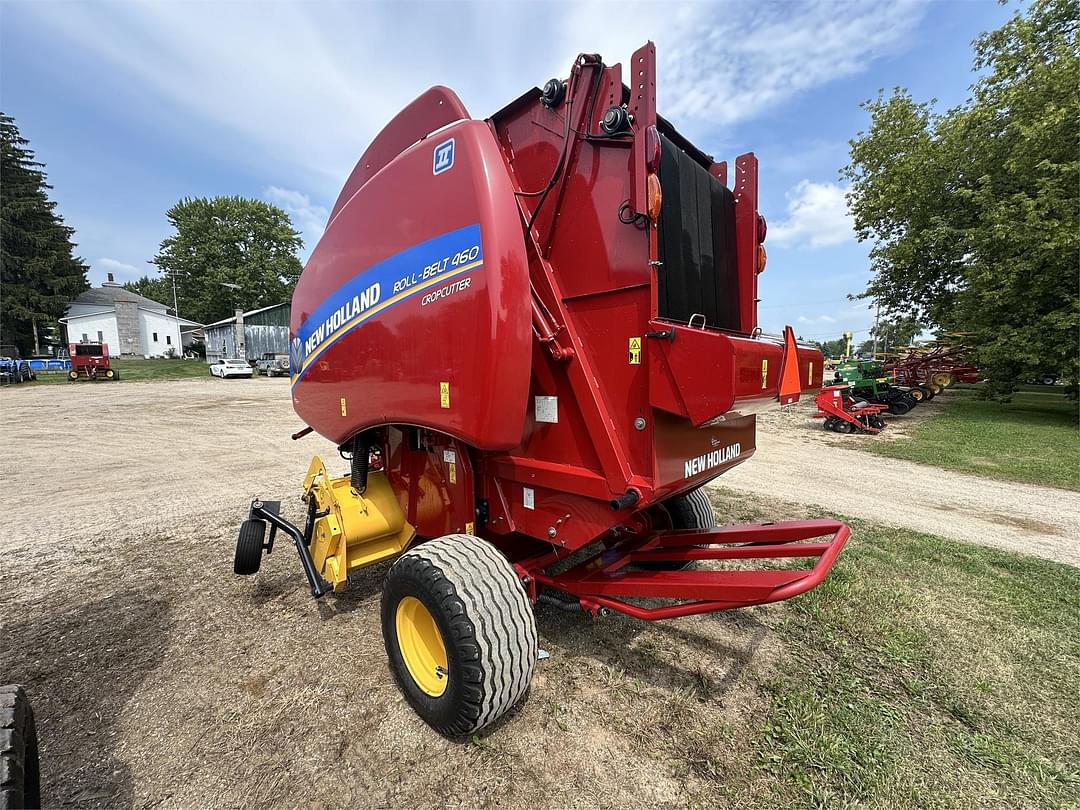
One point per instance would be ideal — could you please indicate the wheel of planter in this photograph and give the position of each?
(898, 407)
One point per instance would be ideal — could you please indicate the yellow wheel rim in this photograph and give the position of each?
(421, 645)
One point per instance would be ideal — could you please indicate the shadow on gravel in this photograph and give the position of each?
(662, 654)
(81, 664)
(286, 581)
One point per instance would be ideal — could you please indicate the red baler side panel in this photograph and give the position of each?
(414, 306)
(431, 110)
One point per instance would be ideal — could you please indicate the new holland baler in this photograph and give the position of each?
(535, 338)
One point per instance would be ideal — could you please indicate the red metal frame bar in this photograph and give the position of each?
(603, 580)
(833, 401)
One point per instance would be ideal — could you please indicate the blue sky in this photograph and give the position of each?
(133, 105)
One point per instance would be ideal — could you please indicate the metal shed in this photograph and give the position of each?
(249, 334)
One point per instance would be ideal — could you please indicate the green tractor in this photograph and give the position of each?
(867, 382)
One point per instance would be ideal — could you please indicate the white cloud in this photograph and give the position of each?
(726, 63)
(816, 320)
(121, 271)
(306, 217)
(817, 216)
(753, 57)
(306, 86)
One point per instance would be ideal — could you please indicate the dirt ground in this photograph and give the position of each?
(160, 679)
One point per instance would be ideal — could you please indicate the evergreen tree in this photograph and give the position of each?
(39, 272)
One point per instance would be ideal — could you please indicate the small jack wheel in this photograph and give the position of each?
(249, 547)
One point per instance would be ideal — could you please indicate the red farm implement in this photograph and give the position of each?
(935, 367)
(530, 335)
(845, 414)
(90, 361)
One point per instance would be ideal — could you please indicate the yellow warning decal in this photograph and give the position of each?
(453, 473)
(764, 372)
(810, 374)
(635, 351)
(444, 395)
(344, 409)
(470, 528)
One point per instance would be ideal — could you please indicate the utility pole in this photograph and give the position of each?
(176, 312)
(175, 304)
(877, 314)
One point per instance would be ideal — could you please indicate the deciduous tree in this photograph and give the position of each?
(227, 253)
(973, 212)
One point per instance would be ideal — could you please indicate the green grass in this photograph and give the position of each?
(1034, 439)
(923, 673)
(928, 673)
(136, 370)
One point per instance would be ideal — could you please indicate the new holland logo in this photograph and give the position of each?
(696, 466)
(443, 159)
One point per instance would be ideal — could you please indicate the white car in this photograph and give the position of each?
(231, 368)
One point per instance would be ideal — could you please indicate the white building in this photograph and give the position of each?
(126, 322)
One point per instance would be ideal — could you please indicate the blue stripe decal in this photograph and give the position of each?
(382, 286)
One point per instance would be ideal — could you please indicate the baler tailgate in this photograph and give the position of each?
(608, 577)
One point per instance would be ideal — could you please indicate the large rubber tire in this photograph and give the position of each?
(690, 511)
(73, 375)
(249, 547)
(485, 622)
(20, 776)
(898, 407)
(917, 394)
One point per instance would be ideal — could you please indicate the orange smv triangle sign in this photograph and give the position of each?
(790, 384)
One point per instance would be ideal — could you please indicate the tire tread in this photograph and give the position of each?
(19, 771)
(479, 589)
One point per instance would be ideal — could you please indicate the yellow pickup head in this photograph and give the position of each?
(356, 530)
